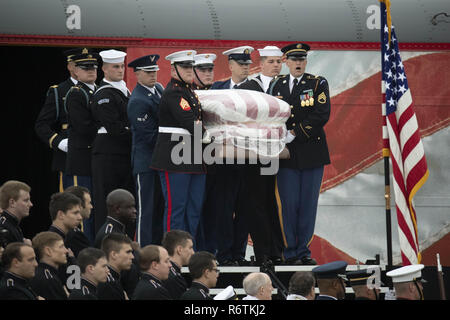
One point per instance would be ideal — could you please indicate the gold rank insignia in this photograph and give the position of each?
(85, 51)
(322, 98)
(184, 105)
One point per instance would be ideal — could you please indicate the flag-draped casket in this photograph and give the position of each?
(245, 119)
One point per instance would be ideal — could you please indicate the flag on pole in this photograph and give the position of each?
(401, 139)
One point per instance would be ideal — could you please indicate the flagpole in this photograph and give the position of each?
(386, 152)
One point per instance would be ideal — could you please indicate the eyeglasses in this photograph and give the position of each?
(216, 270)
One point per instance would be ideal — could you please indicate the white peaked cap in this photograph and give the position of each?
(239, 50)
(406, 274)
(225, 294)
(112, 56)
(270, 51)
(185, 55)
(204, 58)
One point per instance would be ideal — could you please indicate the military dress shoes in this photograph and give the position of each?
(308, 261)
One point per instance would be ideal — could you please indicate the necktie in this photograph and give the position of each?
(295, 84)
(235, 86)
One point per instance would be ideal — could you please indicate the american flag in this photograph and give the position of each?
(401, 137)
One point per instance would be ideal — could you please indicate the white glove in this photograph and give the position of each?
(206, 137)
(63, 145)
(289, 137)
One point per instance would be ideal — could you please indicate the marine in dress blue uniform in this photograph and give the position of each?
(143, 116)
(183, 178)
(226, 192)
(51, 123)
(81, 131)
(300, 177)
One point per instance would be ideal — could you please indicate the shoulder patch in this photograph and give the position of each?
(184, 104)
(106, 100)
(2, 220)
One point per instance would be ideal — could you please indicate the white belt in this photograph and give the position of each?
(102, 130)
(173, 130)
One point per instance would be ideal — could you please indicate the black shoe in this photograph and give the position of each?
(277, 261)
(228, 263)
(243, 262)
(308, 261)
(293, 262)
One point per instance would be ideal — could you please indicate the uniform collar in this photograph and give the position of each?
(249, 297)
(199, 285)
(232, 83)
(90, 86)
(52, 269)
(11, 218)
(15, 277)
(116, 223)
(175, 266)
(73, 80)
(179, 83)
(114, 273)
(295, 297)
(265, 81)
(149, 276)
(88, 283)
(57, 230)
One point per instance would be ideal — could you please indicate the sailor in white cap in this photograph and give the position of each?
(239, 62)
(204, 70)
(266, 230)
(111, 149)
(408, 282)
(181, 172)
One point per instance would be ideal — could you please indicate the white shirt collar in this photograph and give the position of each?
(232, 83)
(265, 81)
(249, 297)
(152, 89)
(73, 80)
(90, 86)
(291, 81)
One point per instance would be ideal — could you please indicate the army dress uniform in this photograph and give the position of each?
(111, 150)
(51, 124)
(197, 291)
(176, 284)
(150, 288)
(183, 177)
(143, 116)
(47, 284)
(12, 225)
(13, 287)
(300, 177)
(87, 291)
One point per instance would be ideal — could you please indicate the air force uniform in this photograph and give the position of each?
(300, 177)
(180, 163)
(143, 108)
(111, 150)
(332, 270)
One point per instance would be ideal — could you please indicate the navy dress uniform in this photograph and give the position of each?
(332, 270)
(226, 191)
(143, 116)
(111, 150)
(51, 123)
(197, 291)
(262, 215)
(47, 284)
(176, 284)
(11, 224)
(129, 278)
(81, 132)
(300, 177)
(150, 288)
(13, 287)
(180, 163)
(87, 291)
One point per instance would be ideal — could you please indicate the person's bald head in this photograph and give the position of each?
(121, 205)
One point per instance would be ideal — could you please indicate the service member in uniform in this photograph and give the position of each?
(262, 216)
(363, 284)
(16, 203)
(82, 130)
(226, 189)
(300, 177)
(204, 71)
(51, 123)
(155, 267)
(143, 116)
(180, 163)
(204, 273)
(408, 282)
(20, 264)
(119, 254)
(111, 150)
(52, 254)
(331, 280)
(94, 270)
(180, 247)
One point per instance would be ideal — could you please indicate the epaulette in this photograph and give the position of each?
(54, 86)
